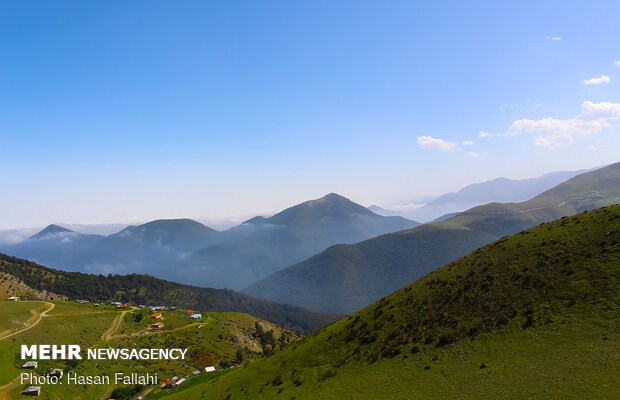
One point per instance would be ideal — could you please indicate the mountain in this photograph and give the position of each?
(187, 251)
(345, 278)
(135, 248)
(260, 246)
(145, 289)
(51, 230)
(330, 208)
(531, 315)
(178, 233)
(54, 244)
(153, 247)
(500, 190)
(330, 219)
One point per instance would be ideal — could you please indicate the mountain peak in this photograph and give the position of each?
(332, 207)
(50, 230)
(334, 196)
(178, 223)
(331, 198)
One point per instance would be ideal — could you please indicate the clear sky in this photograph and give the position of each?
(114, 111)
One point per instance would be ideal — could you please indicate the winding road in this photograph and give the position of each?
(52, 305)
(116, 325)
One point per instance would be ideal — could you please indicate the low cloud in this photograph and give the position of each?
(64, 237)
(472, 154)
(484, 134)
(597, 81)
(468, 143)
(14, 236)
(554, 133)
(591, 148)
(403, 207)
(554, 38)
(617, 63)
(429, 143)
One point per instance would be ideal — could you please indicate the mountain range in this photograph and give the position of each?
(187, 251)
(246, 256)
(345, 278)
(499, 190)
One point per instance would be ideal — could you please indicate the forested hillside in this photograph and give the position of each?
(147, 290)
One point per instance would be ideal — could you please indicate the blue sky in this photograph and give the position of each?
(122, 111)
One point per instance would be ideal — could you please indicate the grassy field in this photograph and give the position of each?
(208, 340)
(67, 323)
(18, 315)
(533, 315)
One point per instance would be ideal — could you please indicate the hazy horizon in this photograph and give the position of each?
(220, 223)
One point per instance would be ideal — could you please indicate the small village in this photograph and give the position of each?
(157, 318)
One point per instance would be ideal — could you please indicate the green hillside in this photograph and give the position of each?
(533, 315)
(345, 278)
(209, 340)
(144, 289)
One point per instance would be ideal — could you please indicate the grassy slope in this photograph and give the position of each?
(345, 278)
(144, 289)
(534, 315)
(67, 323)
(219, 336)
(17, 315)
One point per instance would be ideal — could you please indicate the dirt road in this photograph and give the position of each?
(39, 318)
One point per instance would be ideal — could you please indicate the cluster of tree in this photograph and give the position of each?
(267, 340)
(145, 289)
(126, 392)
